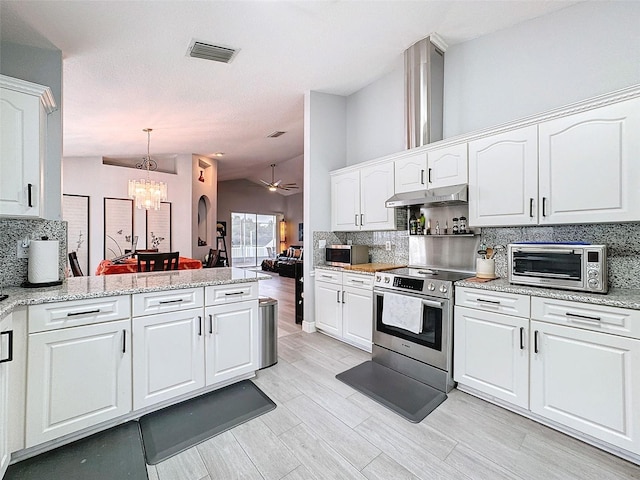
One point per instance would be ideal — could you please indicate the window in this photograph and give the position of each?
(253, 238)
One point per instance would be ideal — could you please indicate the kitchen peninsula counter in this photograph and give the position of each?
(77, 288)
(616, 297)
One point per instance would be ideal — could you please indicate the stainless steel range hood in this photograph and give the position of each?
(435, 197)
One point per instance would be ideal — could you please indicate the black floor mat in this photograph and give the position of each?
(174, 429)
(114, 454)
(404, 395)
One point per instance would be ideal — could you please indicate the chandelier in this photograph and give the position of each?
(147, 193)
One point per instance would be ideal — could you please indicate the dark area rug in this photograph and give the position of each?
(407, 397)
(114, 454)
(174, 429)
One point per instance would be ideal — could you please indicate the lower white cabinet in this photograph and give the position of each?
(76, 378)
(231, 340)
(588, 381)
(6, 356)
(491, 354)
(168, 356)
(344, 306)
(573, 364)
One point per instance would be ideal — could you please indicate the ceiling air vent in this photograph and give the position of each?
(215, 53)
(275, 134)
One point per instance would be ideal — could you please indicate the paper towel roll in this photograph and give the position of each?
(44, 261)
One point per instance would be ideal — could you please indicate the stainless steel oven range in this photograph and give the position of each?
(416, 338)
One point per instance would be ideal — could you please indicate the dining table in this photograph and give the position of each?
(130, 265)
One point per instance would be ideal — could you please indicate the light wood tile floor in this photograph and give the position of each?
(323, 429)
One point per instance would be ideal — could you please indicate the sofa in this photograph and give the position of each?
(285, 262)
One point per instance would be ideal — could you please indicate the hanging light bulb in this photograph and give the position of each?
(147, 193)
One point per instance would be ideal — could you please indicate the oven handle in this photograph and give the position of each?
(427, 302)
(432, 303)
(544, 250)
(548, 274)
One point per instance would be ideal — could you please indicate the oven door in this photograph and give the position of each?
(547, 267)
(431, 346)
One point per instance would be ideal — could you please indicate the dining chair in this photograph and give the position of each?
(75, 265)
(212, 258)
(157, 262)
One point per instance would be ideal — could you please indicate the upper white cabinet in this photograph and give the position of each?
(23, 120)
(589, 168)
(358, 199)
(411, 173)
(447, 166)
(503, 179)
(437, 168)
(578, 168)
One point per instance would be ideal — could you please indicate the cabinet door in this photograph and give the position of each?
(491, 354)
(376, 187)
(410, 173)
(20, 153)
(503, 179)
(357, 317)
(169, 356)
(345, 202)
(328, 308)
(232, 340)
(587, 381)
(76, 378)
(447, 166)
(589, 166)
(6, 340)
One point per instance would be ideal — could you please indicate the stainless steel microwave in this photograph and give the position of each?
(345, 255)
(559, 265)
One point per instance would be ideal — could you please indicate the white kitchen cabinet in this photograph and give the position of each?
(587, 381)
(491, 354)
(447, 166)
(344, 306)
(441, 167)
(410, 173)
(358, 199)
(168, 356)
(589, 167)
(23, 119)
(231, 340)
(76, 378)
(503, 179)
(578, 168)
(6, 357)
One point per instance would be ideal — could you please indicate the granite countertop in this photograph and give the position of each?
(616, 297)
(77, 288)
(363, 268)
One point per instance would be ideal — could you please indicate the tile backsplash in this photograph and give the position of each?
(622, 241)
(14, 270)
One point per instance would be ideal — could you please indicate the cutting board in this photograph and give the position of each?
(372, 267)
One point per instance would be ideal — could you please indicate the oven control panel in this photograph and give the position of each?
(430, 287)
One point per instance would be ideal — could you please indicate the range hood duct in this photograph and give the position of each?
(436, 197)
(424, 91)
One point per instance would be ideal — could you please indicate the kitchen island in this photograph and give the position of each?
(95, 352)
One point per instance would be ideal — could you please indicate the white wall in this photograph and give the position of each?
(325, 144)
(579, 52)
(294, 214)
(208, 189)
(43, 67)
(88, 176)
(584, 50)
(375, 117)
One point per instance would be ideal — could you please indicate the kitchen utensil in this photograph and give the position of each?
(482, 252)
(490, 253)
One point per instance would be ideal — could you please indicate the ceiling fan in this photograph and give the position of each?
(274, 186)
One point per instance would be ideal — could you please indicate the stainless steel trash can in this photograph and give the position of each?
(268, 332)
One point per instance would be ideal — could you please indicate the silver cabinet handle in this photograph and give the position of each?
(544, 205)
(521, 338)
(124, 341)
(535, 341)
(210, 324)
(199, 326)
(343, 296)
(490, 302)
(531, 207)
(429, 176)
(361, 219)
(86, 312)
(163, 302)
(29, 195)
(230, 294)
(338, 296)
(422, 176)
(582, 318)
(9, 334)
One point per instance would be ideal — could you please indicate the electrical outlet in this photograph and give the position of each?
(387, 245)
(322, 243)
(23, 252)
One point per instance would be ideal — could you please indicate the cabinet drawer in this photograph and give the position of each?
(599, 318)
(355, 280)
(167, 301)
(499, 302)
(329, 276)
(52, 316)
(235, 292)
